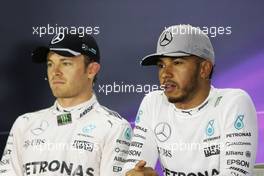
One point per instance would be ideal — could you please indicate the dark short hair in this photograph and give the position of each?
(87, 61)
(211, 73)
(212, 70)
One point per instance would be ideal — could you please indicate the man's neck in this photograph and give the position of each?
(195, 99)
(74, 101)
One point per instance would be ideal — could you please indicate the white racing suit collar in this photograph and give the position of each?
(79, 110)
(192, 111)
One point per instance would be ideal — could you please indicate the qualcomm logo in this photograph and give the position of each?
(89, 128)
(239, 124)
(210, 128)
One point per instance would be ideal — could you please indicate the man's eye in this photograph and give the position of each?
(176, 62)
(160, 65)
(67, 63)
(49, 64)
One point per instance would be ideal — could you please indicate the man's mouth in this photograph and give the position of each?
(58, 81)
(169, 86)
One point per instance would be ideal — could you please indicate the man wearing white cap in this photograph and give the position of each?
(193, 128)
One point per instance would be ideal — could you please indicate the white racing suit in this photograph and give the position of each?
(219, 137)
(85, 140)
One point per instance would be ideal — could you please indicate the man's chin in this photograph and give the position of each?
(59, 94)
(174, 99)
(171, 96)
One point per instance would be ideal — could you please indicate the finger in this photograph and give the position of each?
(140, 165)
(150, 171)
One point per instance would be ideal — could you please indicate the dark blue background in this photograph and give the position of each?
(128, 31)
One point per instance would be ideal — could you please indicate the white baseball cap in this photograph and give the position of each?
(181, 40)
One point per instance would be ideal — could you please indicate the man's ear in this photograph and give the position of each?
(92, 69)
(206, 68)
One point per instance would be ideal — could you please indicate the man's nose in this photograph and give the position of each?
(167, 72)
(57, 70)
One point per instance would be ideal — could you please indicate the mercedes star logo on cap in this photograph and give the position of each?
(57, 38)
(166, 38)
(163, 131)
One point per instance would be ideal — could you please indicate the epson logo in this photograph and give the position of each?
(134, 153)
(60, 167)
(238, 162)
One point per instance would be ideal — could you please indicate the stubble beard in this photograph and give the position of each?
(187, 92)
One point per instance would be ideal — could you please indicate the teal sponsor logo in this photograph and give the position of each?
(128, 133)
(140, 112)
(210, 128)
(239, 124)
(88, 129)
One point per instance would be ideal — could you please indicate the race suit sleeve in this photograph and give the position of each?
(143, 145)
(10, 161)
(238, 149)
(115, 150)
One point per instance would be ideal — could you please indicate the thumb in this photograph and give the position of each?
(140, 165)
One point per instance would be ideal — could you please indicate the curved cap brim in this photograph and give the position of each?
(39, 55)
(152, 59)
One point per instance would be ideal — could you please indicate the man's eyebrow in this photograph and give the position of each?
(64, 59)
(61, 59)
(159, 60)
(177, 58)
